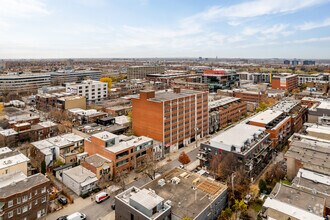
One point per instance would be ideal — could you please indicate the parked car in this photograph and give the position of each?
(100, 197)
(62, 200)
(247, 199)
(76, 216)
(62, 217)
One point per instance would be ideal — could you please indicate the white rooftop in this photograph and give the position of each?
(136, 141)
(319, 129)
(105, 135)
(290, 210)
(80, 174)
(236, 136)
(10, 178)
(324, 105)
(122, 120)
(8, 132)
(146, 198)
(47, 124)
(72, 137)
(313, 176)
(4, 150)
(285, 105)
(13, 160)
(266, 117)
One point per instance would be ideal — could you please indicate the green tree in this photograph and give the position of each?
(262, 185)
(186, 218)
(43, 167)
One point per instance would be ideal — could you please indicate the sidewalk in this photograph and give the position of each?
(78, 204)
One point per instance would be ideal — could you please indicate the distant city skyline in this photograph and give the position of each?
(164, 28)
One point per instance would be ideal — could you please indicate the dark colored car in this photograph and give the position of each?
(62, 217)
(62, 200)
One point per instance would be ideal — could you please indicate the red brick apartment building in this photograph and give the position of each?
(277, 123)
(175, 117)
(230, 110)
(285, 82)
(244, 95)
(23, 197)
(126, 153)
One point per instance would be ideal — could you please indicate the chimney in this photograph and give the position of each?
(147, 94)
(177, 90)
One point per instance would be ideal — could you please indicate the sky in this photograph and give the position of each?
(164, 28)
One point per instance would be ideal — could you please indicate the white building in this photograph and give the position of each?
(12, 161)
(94, 91)
(80, 180)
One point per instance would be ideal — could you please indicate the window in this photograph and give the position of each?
(25, 209)
(18, 211)
(10, 203)
(30, 205)
(19, 200)
(43, 200)
(25, 198)
(36, 202)
(10, 214)
(43, 190)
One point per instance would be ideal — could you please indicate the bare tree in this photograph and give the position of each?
(119, 179)
(150, 167)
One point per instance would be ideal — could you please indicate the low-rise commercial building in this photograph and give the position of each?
(23, 197)
(23, 83)
(307, 152)
(59, 78)
(181, 193)
(251, 148)
(80, 180)
(318, 110)
(86, 116)
(288, 202)
(305, 78)
(141, 72)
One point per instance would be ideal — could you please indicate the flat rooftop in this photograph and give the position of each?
(319, 129)
(237, 136)
(105, 135)
(80, 174)
(146, 198)
(222, 102)
(191, 196)
(324, 105)
(266, 117)
(285, 105)
(133, 141)
(12, 158)
(11, 184)
(170, 95)
(314, 155)
(295, 202)
(8, 132)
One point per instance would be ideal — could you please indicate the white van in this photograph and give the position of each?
(101, 197)
(76, 216)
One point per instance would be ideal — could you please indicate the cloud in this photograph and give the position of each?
(313, 25)
(272, 32)
(250, 9)
(22, 8)
(311, 40)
